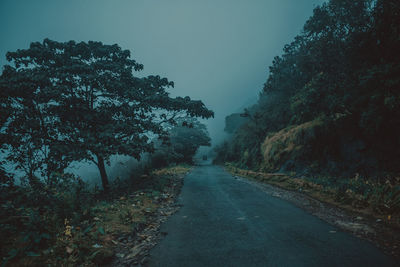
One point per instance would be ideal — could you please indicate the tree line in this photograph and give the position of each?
(342, 70)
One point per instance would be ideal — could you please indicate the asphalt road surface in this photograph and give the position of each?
(227, 222)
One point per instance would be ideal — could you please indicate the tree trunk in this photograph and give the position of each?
(103, 174)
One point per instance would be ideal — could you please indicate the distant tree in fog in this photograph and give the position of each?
(185, 138)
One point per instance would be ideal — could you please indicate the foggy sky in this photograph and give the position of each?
(218, 51)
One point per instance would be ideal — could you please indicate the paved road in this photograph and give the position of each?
(227, 222)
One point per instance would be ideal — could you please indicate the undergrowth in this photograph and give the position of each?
(69, 224)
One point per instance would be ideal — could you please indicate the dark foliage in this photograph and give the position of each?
(31, 218)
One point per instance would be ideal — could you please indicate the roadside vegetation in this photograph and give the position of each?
(367, 197)
(75, 102)
(327, 119)
(70, 224)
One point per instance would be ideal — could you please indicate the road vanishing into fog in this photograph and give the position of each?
(227, 222)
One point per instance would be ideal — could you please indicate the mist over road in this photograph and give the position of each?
(227, 222)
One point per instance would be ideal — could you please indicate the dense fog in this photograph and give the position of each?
(215, 51)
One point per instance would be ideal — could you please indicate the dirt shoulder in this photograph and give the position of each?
(375, 229)
(132, 246)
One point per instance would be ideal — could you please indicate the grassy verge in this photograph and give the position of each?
(379, 200)
(70, 225)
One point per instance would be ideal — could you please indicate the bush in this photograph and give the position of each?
(32, 218)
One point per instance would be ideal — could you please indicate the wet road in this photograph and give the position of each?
(227, 222)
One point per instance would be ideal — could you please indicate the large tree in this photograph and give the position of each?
(86, 103)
